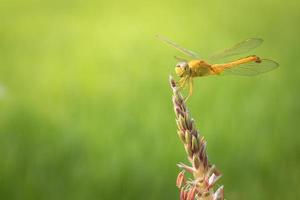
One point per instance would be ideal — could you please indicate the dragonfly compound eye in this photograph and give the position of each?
(181, 68)
(182, 65)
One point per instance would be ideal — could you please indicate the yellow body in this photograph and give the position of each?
(202, 68)
(197, 68)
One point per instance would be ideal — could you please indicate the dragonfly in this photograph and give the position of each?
(251, 65)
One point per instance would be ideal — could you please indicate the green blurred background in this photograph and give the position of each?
(85, 109)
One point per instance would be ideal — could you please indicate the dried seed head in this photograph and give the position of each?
(219, 194)
(205, 175)
(194, 144)
(180, 179)
(196, 161)
(183, 194)
(191, 193)
(181, 136)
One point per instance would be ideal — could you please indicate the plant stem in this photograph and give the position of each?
(205, 175)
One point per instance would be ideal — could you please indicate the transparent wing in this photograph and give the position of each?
(237, 49)
(253, 68)
(178, 47)
(180, 59)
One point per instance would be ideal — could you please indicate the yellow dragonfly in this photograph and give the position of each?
(197, 67)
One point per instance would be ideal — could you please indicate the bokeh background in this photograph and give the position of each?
(85, 105)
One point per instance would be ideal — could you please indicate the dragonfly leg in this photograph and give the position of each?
(190, 89)
(182, 82)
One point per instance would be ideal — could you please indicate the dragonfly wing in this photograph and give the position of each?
(239, 48)
(253, 68)
(178, 47)
(180, 59)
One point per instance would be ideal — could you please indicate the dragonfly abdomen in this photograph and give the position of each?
(240, 61)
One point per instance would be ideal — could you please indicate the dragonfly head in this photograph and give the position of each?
(182, 68)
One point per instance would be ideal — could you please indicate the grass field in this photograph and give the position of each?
(85, 105)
